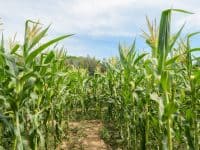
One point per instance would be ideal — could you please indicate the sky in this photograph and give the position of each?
(99, 25)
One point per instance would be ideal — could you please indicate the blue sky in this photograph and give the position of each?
(99, 25)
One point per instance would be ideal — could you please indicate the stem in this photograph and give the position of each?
(18, 140)
(169, 122)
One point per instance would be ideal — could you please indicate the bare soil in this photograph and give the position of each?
(84, 135)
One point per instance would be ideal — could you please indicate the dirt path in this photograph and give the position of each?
(84, 135)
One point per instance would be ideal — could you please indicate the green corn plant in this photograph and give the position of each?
(165, 45)
(21, 78)
(191, 126)
(122, 105)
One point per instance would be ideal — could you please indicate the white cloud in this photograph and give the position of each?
(92, 18)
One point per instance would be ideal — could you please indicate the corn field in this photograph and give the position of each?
(145, 100)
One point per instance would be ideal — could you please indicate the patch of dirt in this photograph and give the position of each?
(84, 135)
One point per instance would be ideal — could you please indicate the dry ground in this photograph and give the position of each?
(84, 135)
